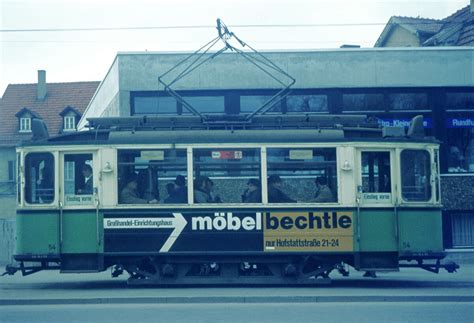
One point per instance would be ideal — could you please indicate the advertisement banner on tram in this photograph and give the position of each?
(240, 231)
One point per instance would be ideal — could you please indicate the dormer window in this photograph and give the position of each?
(25, 124)
(69, 123)
(70, 118)
(24, 119)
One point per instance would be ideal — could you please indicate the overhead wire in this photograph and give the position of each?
(211, 26)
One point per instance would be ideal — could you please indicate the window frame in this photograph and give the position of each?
(335, 190)
(25, 124)
(393, 173)
(95, 178)
(453, 137)
(431, 176)
(24, 184)
(119, 163)
(69, 123)
(263, 161)
(229, 148)
(11, 171)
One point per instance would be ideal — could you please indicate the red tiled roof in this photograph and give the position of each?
(454, 30)
(59, 96)
(421, 25)
(457, 30)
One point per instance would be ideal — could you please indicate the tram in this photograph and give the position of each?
(277, 200)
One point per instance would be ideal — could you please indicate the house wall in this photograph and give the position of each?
(106, 99)
(8, 203)
(7, 188)
(400, 37)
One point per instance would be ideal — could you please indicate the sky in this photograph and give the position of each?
(78, 40)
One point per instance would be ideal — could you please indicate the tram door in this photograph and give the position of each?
(376, 198)
(78, 207)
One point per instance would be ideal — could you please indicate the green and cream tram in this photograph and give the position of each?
(381, 211)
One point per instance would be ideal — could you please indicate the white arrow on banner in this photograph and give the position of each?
(178, 223)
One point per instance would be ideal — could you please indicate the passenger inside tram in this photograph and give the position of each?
(129, 194)
(275, 194)
(170, 189)
(181, 190)
(253, 193)
(87, 186)
(323, 192)
(203, 191)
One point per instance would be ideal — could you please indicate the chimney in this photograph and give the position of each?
(41, 89)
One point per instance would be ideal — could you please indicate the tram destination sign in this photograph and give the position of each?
(238, 231)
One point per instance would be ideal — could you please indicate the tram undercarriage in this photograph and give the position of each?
(307, 270)
(233, 271)
(296, 270)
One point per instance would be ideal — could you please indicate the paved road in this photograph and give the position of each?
(281, 312)
(412, 295)
(409, 285)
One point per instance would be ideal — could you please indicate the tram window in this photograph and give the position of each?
(416, 170)
(78, 179)
(306, 175)
(39, 178)
(233, 173)
(376, 172)
(159, 174)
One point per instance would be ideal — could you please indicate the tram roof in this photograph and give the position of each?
(231, 129)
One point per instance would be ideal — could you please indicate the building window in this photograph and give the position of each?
(408, 101)
(250, 103)
(363, 102)
(18, 178)
(69, 123)
(461, 150)
(11, 171)
(460, 100)
(307, 103)
(205, 104)
(463, 229)
(154, 105)
(25, 124)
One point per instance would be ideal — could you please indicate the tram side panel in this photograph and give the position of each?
(82, 246)
(123, 233)
(37, 235)
(420, 233)
(378, 246)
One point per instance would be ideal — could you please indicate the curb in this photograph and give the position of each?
(235, 299)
